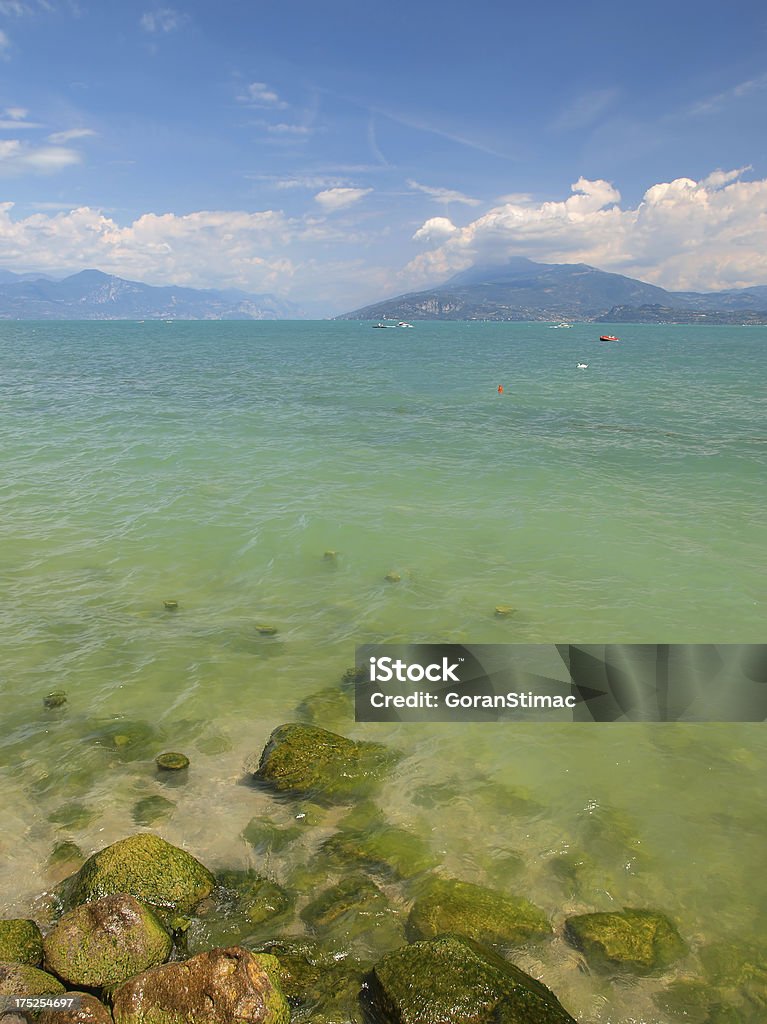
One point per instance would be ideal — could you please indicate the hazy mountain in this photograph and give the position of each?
(524, 290)
(91, 295)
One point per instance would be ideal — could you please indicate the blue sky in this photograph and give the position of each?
(336, 153)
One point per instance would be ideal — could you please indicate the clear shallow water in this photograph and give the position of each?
(215, 463)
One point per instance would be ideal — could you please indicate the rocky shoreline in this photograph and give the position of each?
(143, 933)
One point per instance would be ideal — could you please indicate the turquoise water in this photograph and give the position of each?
(214, 463)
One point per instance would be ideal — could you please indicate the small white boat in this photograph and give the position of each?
(556, 327)
(403, 324)
(582, 366)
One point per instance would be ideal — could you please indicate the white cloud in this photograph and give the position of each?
(684, 234)
(16, 113)
(443, 195)
(288, 129)
(164, 19)
(717, 103)
(16, 8)
(4, 41)
(259, 94)
(339, 198)
(17, 157)
(68, 136)
(199, 249)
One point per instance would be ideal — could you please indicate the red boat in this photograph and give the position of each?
(608, 337)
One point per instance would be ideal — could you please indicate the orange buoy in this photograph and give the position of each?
(500, 389)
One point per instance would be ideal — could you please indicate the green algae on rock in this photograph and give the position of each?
(145, 866)
(171, 761)
(485, 915)
(385, 850)
(267, 837)
(105, 942)
(150, 809)
(637, 940)
(89, 1011)
(451, 980)
(25, 980)
(20, 942)
(223, 986)
(256, 898)
(331, 706)
(317, 981)
(56, 699)
(352, 910)
(306, 760)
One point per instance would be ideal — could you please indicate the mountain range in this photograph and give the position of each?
(524, 290)
(92, 295)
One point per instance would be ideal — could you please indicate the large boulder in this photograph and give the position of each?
(223, 986)
(451, 980)
(485, 915)
(306, 760)
(86, 1010)
(104, 942)
(20, 942)
(145, 866)
(636, 940)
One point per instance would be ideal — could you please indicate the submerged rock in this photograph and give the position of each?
(456, 981)
(353, 909)
(150, 809)
(331, 706)
(317, 981)
(25, 980)
(20, 942)
(89, 1010)
(267, 837)
(392, 577)
(127, 739)
(478, 913)
(256, 898)
(56, 699)
(224, 986)
(146, 867)
(637, 940)
(73, 815)
(105, 942)
(306, 760)
(385, 850)
(741, 970)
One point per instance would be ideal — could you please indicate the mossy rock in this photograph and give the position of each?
(55, 699)
(485, 915)
(89, 1010)
(331, 706)
(256, 898)
(353, 910)
(150, 809)
(223, 986)
(20, 942)
(316, 981)
(386, 850)
(105, 942)
(456, 981)
(740, 968)
(352, 677)
(267, 837)
(25, 980)
(306, 760)
(636, 940)
(172, 761)
(145, 866)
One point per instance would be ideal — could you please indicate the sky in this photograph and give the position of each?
(342, 152)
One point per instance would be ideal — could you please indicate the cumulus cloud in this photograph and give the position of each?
(288, 129)
(684, 234)
(339, 198)
(259, 94)
(164, 19)
(443, 195)
(17, 157)
(203, 248)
